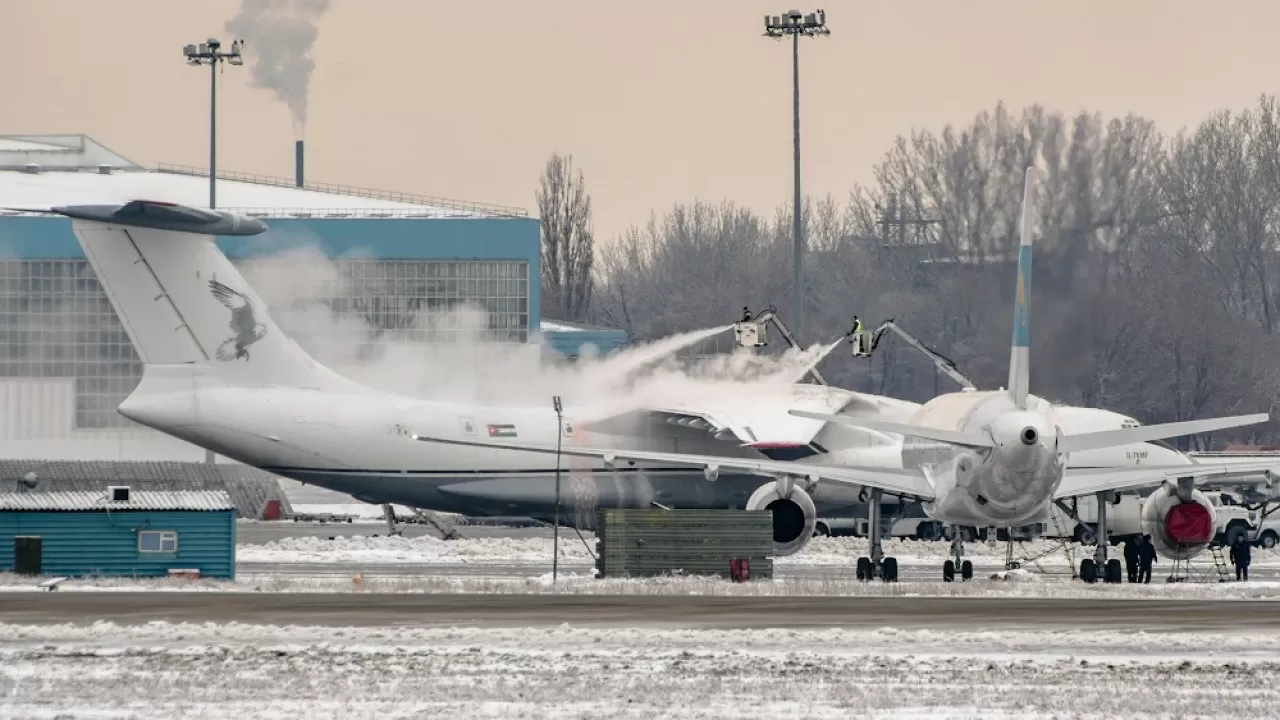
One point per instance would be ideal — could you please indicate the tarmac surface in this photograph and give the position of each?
(352, 609)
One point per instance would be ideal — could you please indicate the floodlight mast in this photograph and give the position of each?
(209, 53)
(797, 24)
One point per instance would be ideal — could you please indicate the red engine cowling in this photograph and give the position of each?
(1180, 530)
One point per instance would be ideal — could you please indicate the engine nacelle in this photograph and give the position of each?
(1180, 530)
(794, 515)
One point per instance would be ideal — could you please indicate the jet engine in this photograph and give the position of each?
(1180, 529)
(794, 514)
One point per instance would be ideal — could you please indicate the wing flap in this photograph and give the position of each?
(911, 483)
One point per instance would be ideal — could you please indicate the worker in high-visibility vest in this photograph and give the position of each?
(857, 336)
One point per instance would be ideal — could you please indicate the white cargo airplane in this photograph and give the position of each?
(984, 459)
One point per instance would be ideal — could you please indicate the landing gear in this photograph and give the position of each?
(877, 565)
(448, 530)
(1099, 567)
(957, 560)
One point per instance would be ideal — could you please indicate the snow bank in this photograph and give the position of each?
(839, 552)
(423, 550)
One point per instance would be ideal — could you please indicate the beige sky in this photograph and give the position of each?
(659, 101)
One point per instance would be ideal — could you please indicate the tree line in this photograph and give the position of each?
(1155, 278)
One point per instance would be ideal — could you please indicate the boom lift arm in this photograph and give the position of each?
(944, 364)
(750, 332)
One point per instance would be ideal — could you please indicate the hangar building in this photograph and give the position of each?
(66, 362)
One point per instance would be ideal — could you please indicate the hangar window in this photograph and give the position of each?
(157, 541)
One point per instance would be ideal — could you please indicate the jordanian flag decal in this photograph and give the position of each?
(502, 431)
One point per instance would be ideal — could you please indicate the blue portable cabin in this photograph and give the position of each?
(121, 533)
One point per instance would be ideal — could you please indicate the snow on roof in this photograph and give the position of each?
(13, 144)
(42, 171)
(64, 152)
(203, 500)
(42, 190)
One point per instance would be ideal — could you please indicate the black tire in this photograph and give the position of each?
(966, 570)
(1088, 570)
(948, 571)
(1269, 539)
(890, 569)
(1235, 532)
(864, 568)
(1113, 571)
(821, 530)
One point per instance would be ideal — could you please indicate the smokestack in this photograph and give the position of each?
(297, 162)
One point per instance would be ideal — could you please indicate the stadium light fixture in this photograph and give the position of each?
(797, 25)
(210, 53)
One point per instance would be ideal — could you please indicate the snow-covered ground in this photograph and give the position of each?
(522, 550)
(241, 671)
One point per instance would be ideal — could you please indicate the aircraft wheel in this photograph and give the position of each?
(864, 568)
(966, 570)
(1088, 571)
(1113, 571)
(890, 569)
(948, 571)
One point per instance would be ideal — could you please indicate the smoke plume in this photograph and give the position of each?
(278, 37)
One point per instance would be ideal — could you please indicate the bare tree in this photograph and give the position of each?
(1156, 262)
(568, 240)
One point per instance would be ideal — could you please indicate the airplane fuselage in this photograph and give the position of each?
(359, 442)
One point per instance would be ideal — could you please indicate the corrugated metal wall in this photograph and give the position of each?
(32, 408)
(101, 543)
(645, 543)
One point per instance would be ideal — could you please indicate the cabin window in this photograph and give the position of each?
(158, 541)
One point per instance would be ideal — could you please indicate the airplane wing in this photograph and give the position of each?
(1085, 481)
(755, 420)
(911, 483)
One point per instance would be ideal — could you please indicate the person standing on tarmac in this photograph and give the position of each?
(1131, 559)
(1146, 556)
(1241, 555)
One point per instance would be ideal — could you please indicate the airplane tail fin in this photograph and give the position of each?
(178, 296)
(1020, 352)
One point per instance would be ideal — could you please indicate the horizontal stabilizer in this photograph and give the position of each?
(950, 437)
(1086, 481)
(1147, 433)
(908, 483)
(157, 215)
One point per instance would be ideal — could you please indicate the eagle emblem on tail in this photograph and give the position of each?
(246, 327)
